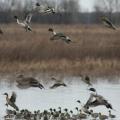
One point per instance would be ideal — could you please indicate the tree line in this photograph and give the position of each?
(68, 11)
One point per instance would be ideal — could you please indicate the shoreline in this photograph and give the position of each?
(92, 67)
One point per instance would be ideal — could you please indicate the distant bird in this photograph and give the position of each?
(59, 36)
(86, 79)
(28, 82)
(108, 23)
(110, 115)
(56, 85)
(26, 23)
(11, 101)
(97, 100)
(102, 117)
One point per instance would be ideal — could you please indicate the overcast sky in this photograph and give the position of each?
(86, 5)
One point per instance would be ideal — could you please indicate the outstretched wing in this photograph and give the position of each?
(28, 18)
(13, 97)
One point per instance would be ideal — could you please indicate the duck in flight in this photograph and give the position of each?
(57, 83)
(108, 23)
(27, 82)
(86, 79)
(26, 23)
(97, 100)
(44, 9)
(59, 36)
(11, 101)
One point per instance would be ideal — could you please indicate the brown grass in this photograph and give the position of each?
(95, 50)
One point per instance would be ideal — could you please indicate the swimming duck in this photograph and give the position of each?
(86, 79)
(102, 117)
(110, 115)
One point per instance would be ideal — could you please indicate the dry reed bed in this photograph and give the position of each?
(95, 50)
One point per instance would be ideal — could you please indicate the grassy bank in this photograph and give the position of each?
(95, 50)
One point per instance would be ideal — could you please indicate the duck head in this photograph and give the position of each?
(50, 29)
(6, 94)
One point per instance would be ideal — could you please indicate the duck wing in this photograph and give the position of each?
(14, 106)
(28, 18)
(13, 97)
(55, 85)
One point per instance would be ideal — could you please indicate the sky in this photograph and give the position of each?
(87, 5)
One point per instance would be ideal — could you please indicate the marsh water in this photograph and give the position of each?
(66, 97)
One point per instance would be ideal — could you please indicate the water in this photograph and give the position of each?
(34, 98)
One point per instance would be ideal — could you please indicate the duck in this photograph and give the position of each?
(11, 101)
(59, 36)
(99, 100)
(86, 79)
(82, 115)
(102, 117)
(66, 114)
(28, 82)
(26, 23)
(108, 23)
(56, 85)
(46, 9)
(94, 115)
(110, 115)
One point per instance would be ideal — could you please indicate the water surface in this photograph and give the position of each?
(34, 98)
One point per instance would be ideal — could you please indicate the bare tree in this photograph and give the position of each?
(108, 6)
(70, 6)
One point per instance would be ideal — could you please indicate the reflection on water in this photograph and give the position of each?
(35, 98)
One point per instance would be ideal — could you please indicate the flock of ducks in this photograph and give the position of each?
(45, 9)
(83, 112)
(26, 82)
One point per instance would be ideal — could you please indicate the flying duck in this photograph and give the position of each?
(59, 36)
(26, 23)
(99, 100)
(44, 8)
(28, 82)
(108, 23)
(86, 79)
(56, 85)
(11, 101)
